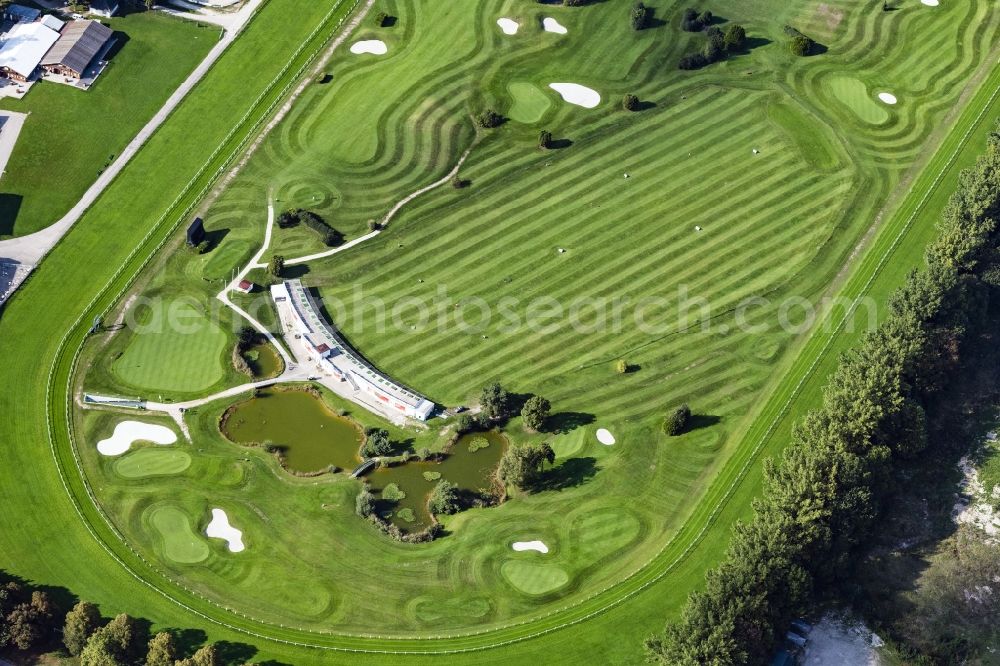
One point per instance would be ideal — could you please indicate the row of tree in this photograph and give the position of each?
(30, 621)
(718, 46)
(819, 505)
(295, 216)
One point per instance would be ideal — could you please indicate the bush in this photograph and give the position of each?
(489, 119)
(364, 503)
(406, 514)
(676, 422)
(459, 183)
(293, 217)
(692, 61)
(641, 16)
(535, 411)
(468, 423)
(381, 18)
(735, 37)
(630, 103)
(478, 444)
(376, 443)
(545, 139)
(374, 225)
(801, 45)
(444, 499)
(276, 266)
(621, 366)
(432, 476)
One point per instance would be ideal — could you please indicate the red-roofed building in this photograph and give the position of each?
(245, 286)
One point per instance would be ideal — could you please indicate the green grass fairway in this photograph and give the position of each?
(534, 578)
(632, 527)
(156, 461)
(529, 103)
(856, 96)
(177, 348)
(72, 135)
(179, 542)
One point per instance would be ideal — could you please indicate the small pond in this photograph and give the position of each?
(312, 437)
(470, 466)
(264, 360)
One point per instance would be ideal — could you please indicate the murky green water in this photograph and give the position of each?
(264, 360)
(469, 469)
(312, 436)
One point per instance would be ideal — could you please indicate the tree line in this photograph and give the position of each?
(819, 506)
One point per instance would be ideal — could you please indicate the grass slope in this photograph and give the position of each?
(628, 622)
(72, 135)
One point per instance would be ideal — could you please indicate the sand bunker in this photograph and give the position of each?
(530, 545)
(888, 98)
(509, 26)
(549, 24)
(373, 46)
(605, 437)
(128, 432)
(930, 3)
(220, 528)
(574, 93)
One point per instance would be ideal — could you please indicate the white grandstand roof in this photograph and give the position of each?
(24, 45)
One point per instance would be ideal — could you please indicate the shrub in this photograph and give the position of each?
(424, 453)
(374, 225)
(406, 514)
(735, 37)
(376, 443)
(293, 217)
(545, 139)
(381, 18)
(489, 119)
(621, 366)
(393, 493)
(468, 423)
(364, 503)
(444, 499)
(801, 45)
(535, 411)
(676, 422)
(459, 183)
(630, 103)
(641, 16)
(276, 266)
(692, 61)
(432, 476)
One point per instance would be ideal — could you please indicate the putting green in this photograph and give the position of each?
(530, 103)
(152, 462)
(854, 94)
(180, 543)
(534, 578)
(174, 347)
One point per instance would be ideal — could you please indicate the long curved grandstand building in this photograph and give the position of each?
(300, 314)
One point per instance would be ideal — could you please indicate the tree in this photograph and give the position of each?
(162, 650)
(545, 139)
(641, 16)
(126, 637)
(101, 650)
(376, 443)
(381, 18)
(522, 466)
(246, 336)
(714, 50)
(364, 503)
(677, 421)
(489, 119)
(535, 411)
(467, 423)
(801, 45)
(207, 656)
(495, 401)
(689, 21)
(27, 622)
(735, 37)
(276, 266)
(444, 499)
(81, 623)
(692, 61)
(630, 103)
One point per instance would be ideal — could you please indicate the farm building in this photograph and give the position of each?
(50, 21)
(300, 313)
(21, 14)
(78, 45)
(23, 47)
(105, 8)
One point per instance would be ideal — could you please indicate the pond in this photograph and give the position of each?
(311, 436)
(470, 466)
(264, 360)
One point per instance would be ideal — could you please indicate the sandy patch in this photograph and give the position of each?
(509, 26)
(830, 15)
(888, 98)
(977, 512)
(605, 437)
(930, 3)
(536, 545)
(549, 24)
(574, 93)
(373, 46)
(220, 528)
(128, 432)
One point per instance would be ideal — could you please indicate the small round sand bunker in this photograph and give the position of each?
(509, 26)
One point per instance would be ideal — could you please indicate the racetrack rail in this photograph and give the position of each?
(59, 407)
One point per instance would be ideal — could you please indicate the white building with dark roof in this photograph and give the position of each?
(300, 313)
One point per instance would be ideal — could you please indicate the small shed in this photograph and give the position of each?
(52, 23)
(196, 232)
(245, 286)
